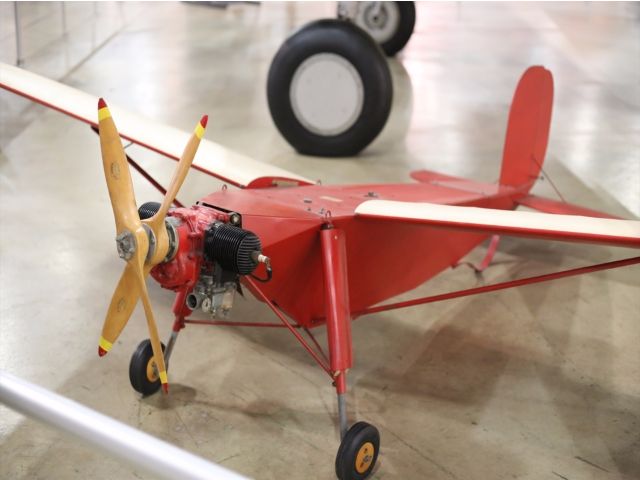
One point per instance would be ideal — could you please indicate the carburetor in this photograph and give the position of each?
(229, 251)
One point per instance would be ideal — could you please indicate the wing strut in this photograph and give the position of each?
(499, 286)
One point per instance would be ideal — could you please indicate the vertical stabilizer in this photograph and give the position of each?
(528, 129)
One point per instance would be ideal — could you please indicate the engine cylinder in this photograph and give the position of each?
(232, 247)
(148, 210)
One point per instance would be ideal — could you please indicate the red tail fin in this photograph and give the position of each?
(528, 129)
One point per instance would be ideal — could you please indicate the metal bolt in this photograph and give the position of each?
(234, 218)
(126, 245)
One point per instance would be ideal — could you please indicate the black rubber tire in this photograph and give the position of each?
(361, 51)
(405, 29)
(138, 369)
(359, 434)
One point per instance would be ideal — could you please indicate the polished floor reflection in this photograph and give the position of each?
(539, 382)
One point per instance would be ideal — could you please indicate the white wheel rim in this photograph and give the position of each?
(326, 94)
(381, 23)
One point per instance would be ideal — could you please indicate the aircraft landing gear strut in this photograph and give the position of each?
(359, 444)
(143, 373)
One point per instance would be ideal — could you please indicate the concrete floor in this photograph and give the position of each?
(541, 382)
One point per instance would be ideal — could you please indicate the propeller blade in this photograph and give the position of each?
(180, 174)
(125, 297)
(116, 172)
(132, 239)
(137, 263)
(118, 178)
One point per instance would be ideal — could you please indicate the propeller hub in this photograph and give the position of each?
(152, 241)
(126, 244)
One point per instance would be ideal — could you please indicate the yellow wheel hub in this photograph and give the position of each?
(364, 457)
(152, 370)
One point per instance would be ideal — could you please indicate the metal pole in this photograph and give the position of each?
(16, 16)
(500, 286)
(140, 449)
(342, 415)
(63, 12)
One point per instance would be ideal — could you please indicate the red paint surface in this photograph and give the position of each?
(336, 294)
(384, 258)
(182, 272)
(527, 135)
(547, 205)
(502, 285)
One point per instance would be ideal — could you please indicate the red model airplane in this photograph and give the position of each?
(314, 254)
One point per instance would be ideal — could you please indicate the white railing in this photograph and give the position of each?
(138, 448)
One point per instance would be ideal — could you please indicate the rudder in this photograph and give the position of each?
(528, 129)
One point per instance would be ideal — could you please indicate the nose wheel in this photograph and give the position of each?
(143, 372)
(358, 452)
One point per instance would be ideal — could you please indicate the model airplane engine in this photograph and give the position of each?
(228, 252)
(209, 252)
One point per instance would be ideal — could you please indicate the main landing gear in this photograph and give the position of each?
(358, 452)
(143, 373)
(360, 444)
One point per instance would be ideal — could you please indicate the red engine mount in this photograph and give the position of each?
(181, 273)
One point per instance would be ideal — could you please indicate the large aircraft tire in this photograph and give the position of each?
(389, 23)
(329, 89)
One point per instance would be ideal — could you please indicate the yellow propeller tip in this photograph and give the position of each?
(103, 110)
(103, 346)
(201, 126)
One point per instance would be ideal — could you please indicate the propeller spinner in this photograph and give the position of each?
(141, 243)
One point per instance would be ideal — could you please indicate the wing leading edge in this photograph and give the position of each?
(571, 228)
(212, 158)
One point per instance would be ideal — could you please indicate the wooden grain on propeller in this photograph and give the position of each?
(141, 243)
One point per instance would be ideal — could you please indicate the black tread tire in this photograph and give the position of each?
(405, 29)
(138, 369)
(357, 47)
(358, 434)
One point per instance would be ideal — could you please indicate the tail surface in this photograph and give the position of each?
(528, 129)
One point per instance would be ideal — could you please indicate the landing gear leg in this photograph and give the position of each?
(181, 311)
(143, 373)
(359, 444)
(342, 411)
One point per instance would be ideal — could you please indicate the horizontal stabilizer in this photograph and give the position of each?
(548, 205)
(212, 158)
(490, 221)
(428, 176)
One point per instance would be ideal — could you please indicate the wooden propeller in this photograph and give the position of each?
(133, 234)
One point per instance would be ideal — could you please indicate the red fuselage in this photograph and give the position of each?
(384, 258)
